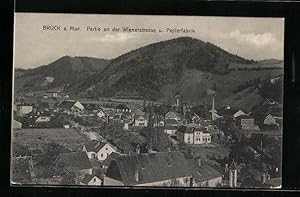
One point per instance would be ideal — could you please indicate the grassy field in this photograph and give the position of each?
(39, 138)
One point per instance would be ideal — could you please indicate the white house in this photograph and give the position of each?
(270, 120)
(101, 113)
(193, 134)
(43, 119)
(238, 113)
(140, 121)
(171, 130)
(17, 124)
(23, 109)
(91, 180)
(98, 150)
(71, 105)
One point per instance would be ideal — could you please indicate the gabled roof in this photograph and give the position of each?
(251, 127)
(112, 156)
(151, 167)
(66, 104)
(87, 178)
(122, 106)
(202, 173)
(73, 161)
(233, 166)
(140, 116)
(91, 106)
(185, 129)
(94, 146)
(171, 115)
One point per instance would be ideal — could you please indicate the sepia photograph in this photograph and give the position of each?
(105, 100)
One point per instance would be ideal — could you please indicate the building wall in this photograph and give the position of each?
(199, 137)
(189, 138)
(182, 181)
(23, 110)
(105, 152)
(95, 181)
(43, 119)
(86, 171)
(170, 131)
(140, 122)
(209, 183)
(269, 120)
(101, 114)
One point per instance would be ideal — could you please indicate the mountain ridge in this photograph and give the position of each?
(162, 69)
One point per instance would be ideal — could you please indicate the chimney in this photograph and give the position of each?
(102, 181)
(138, 149)
(199, 162)
(169, 149)
(263, 178)
(226, 167)
(136, 176)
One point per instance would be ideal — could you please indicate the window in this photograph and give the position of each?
(106, 148)
(94, 179)
(101, 155)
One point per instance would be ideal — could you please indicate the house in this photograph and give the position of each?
(22, 109)
(43, 119)
(127, 124)
(100, 113)
(158, 121)
(140, 121)
(17, 124)
(171, 130)
(193, 134)
(122, 108)
(51, 94)
(230, 113)
(203, 174)
(270, 120)
(172, 115)
(98, 150)
(91, 180)
(162, 169)
(91, 107)
(71, 105)
(244, 120)
(109, 159)
(74, 161)
(150, 169)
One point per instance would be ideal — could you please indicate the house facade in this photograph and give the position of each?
(193, 134)
(23, 109)
(140, 121)
(269, 120)
(92, 180)
(43, 119)
(170, 130)
(98, 150)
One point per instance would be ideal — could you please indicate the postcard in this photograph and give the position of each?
(147, 101)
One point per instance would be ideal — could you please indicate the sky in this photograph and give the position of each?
(252, 38)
